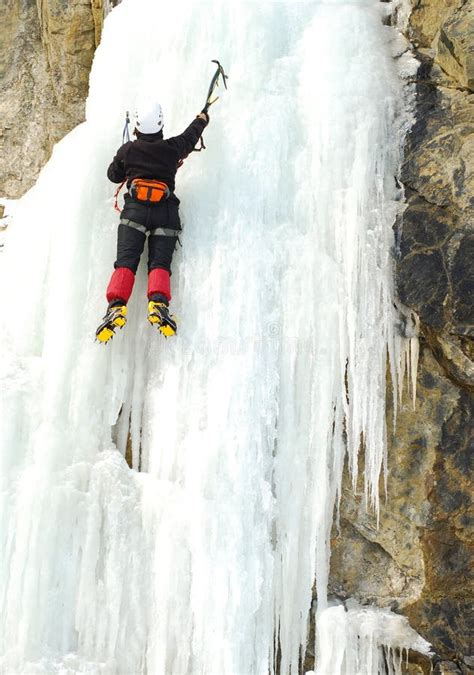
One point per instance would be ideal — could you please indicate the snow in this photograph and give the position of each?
(284, 295)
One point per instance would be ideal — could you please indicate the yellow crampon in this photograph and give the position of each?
(159, 316)
(115, 318)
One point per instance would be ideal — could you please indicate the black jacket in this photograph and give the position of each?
(153, 157)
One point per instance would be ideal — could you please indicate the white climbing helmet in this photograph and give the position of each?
(149, 118)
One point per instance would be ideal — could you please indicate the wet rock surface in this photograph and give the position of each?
(444, 609)
(44, 74)
(435, 277)
(420, 559)
(435, 273)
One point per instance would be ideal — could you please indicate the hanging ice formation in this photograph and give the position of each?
(204, 560)
(361, 640)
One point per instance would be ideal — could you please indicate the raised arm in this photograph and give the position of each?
(185, 142)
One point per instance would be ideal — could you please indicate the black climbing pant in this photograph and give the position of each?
(130, 245)
(161, 223)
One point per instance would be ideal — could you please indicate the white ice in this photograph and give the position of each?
(239, 426)
(361, 641)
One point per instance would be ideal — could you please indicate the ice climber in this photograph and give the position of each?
(148, 165)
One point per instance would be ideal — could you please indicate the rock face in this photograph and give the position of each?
(436, 279)
(435, 274)
(44, 72)
(420, 558)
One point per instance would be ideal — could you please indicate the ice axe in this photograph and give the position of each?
(209, 100)
(215, 83)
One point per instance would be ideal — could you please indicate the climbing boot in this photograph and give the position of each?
(116, 317)
(159, 316)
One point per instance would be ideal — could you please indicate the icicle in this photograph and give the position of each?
(361, 640)
(406, 349)
(414, 354)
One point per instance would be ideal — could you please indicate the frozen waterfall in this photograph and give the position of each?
(203, 561)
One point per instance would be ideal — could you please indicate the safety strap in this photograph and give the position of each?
(116, 194)
(201, 147)
(157, 232)
(164, 232)
(132, 223)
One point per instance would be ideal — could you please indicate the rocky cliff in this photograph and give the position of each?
(418, 560)
(44, 73)
(436, 278)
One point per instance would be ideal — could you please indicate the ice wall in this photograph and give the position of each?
(283, 291)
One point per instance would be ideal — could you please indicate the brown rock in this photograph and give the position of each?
(439, 158)
(444, 29)
(454, 355)
(364, 570)
(412, 669)
(427, 17)
(444, 612)
(446, 668)
(435, 275)
(455, 52)
(435, 278)
(44, 73)
(418, 663)
(384, 564)
(418, 560)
